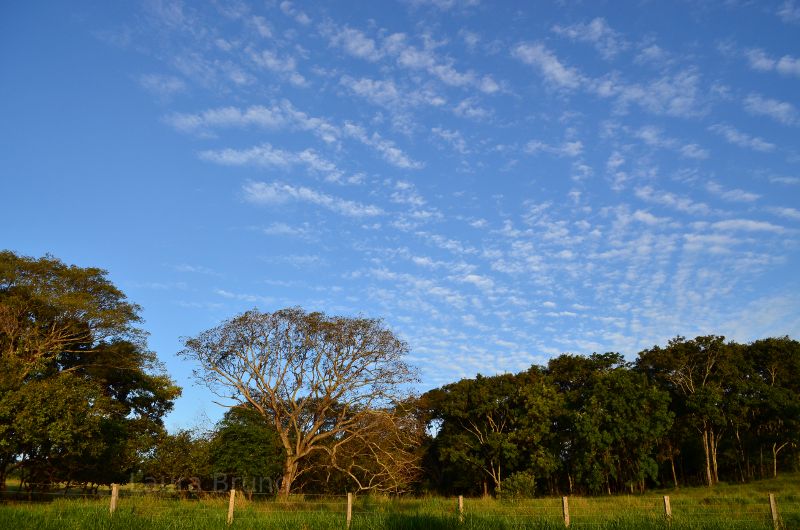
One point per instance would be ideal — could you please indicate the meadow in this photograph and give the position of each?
(722, 507)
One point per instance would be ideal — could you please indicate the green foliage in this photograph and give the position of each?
(520, 485)
(80, 395)
(247, 450)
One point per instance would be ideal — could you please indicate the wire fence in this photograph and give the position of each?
(220, 508)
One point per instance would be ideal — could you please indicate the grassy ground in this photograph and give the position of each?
(723, 507)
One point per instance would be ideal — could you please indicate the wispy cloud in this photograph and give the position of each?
(747, 225)
(161, 85)
(285, 66)
(671, 200)
(549, 66)
(653, 136)
(568, 149)
(783, 211)
(759, 60)
(780, 111)
(789, 12)
(278, 193)
(597, 32)
(298, 15)
(732, 195)
(266, 155)
(737, 137)
(390, 152)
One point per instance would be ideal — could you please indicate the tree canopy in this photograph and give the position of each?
(323, 382)
(80, 394)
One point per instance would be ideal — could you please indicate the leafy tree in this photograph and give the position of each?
(181, 459)
(315, 378)
(702, 373)
(79, 391)
(775, 363)
(618, 428)
(478, 422)
(246, 451)
(572, 376)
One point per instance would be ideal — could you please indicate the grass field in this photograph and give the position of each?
(723, 507)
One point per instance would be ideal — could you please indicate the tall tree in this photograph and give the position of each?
(775, 362)
(68, 331)
(479, 420)
(702, 373)
(315, 378)
(246, 451)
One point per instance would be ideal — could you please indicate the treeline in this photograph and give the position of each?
(321, 405)
(692, 412)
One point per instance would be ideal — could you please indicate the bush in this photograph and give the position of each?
(520, 485)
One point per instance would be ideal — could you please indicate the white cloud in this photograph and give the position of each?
(734, 195)
(446, 5)
(481, 282)
(747, 225)
(357, 44)
(266, 117)
(789, 181)
(454, 138)
(283, 229)
(386, 93)
(789, 213)
(759, 60)
(278, 193)
(736, 137)
(649, 219)
(568, 149)
(299, 16)
(671, 200)
(267, 156)
(597, 32)
(653, 136)
(469, 108)
(671, 95)
(553, 70)
(162, 85)
(286, 66)
(390, 152)
(780, 111)
(354, 42)
(789, 12)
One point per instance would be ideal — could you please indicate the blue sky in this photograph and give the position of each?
(499, 182)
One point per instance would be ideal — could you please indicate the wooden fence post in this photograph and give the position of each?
(231, 504)
(114, 496)
(460, 508)
(349, 509)
(565, 509)
(773, 508)
(667, 507)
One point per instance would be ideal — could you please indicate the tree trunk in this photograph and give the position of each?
(713, 444)
(775, 450)
(672, 465)
(707, 454)
(289, 473)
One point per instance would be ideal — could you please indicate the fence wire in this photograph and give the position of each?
(373, 511)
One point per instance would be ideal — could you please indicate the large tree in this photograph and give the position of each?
(317, 379)
(702, 374)
(80, 394)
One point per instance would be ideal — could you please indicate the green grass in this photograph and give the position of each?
(722, 507)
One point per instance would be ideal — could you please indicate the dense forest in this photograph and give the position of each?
(324, 406)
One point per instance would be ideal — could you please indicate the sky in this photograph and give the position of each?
(499, 182)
